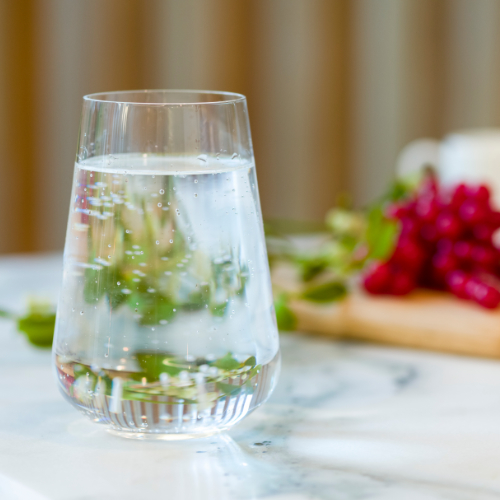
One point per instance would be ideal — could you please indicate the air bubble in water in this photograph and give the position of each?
(159, 204)
(171, 241)
(81, 313)
(157, 242)
(196, 181)
(162, 191)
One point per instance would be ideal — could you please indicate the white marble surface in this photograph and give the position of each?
(347, 421)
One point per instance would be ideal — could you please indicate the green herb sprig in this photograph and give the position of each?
(352, 239)
(37, 324)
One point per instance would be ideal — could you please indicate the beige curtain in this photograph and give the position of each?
(335, 88)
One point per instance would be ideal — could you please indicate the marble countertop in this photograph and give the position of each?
(347, 422)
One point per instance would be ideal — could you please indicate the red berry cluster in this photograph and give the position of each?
(445, 243)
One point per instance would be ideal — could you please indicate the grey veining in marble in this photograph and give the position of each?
(346, 422)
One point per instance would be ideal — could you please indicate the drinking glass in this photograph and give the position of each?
(165, 324)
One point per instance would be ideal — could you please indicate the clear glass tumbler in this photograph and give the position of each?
(165, 324)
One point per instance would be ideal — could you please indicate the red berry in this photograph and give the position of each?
(489, 279)
(448, 225)
(463, 250)
(444, 245)
(483, 232)
(429, 233)
(444, 236)
(427, 210)
(486, 296)
(471, 285)
(484, 256)
(471, 212)
(397, 211)
(410, 227)
(458, 197)
(408, 253)
(377, 280)
(442, 264)
(479, 193)
(494, 219)
(402, 284)
(456, 281)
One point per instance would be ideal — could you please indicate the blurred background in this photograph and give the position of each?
(335, 89)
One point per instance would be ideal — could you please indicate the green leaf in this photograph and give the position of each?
(154, 364)
(81, 370)
(93, 288)
(113, 276)
(105, 281)
(381, 234)
(326, 292)
(311, 267)
(399, 190)
(256, 369)
(152, 306)
(284, 316)
(228, 389)
(161, 309)
(251, 361)
(106, 383)
(39, 328)
(116, 297)
(227, 363)
(198, 298)
(219, 309)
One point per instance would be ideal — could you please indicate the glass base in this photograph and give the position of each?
(158, 436)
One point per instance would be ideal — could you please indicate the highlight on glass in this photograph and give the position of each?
(165, 324)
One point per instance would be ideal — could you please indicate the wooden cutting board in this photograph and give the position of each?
(424, 319)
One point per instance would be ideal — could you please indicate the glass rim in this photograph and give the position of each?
(229, 97)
